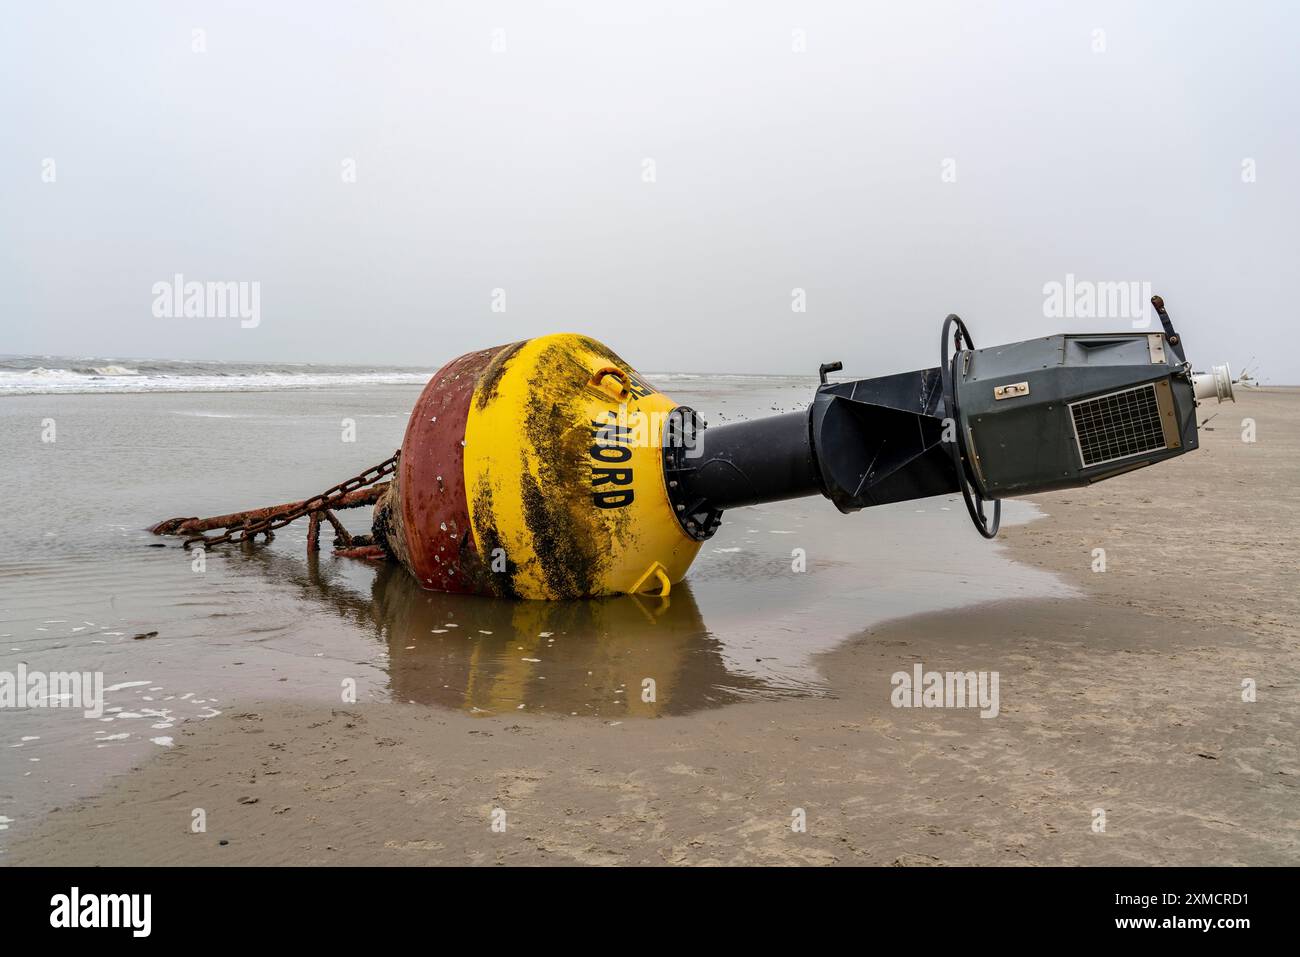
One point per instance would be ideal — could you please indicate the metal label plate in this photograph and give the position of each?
(1012, 390)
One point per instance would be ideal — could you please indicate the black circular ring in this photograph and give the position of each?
(969, 492)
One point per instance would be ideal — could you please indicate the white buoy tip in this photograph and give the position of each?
(1215, 384)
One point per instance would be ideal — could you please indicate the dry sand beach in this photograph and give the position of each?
(1119, 690)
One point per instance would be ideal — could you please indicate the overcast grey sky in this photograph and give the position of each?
(913, 159)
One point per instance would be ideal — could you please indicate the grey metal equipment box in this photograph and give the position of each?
(1058, 412)
(1069, 410)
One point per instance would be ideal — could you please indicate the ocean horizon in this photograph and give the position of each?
(56, 375)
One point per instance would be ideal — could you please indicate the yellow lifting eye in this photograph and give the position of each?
(598, 380)
(657, 571)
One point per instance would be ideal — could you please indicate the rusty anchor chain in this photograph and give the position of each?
(244, 526)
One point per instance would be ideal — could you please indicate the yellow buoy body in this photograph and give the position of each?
(535, 470)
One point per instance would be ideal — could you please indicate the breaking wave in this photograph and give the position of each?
(45, 375)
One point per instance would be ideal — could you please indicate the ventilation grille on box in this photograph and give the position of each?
(1118, 425)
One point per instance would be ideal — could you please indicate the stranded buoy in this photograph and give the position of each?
(535, 470)
(550, 469)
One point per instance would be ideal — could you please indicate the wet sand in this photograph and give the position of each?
(1119, 690)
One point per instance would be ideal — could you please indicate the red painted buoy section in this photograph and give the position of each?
(426, 514)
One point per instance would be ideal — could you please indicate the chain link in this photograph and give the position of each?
(317, 503)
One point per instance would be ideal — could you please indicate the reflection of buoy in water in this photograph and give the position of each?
(625, 656)
(549, 469)
(535, 470)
